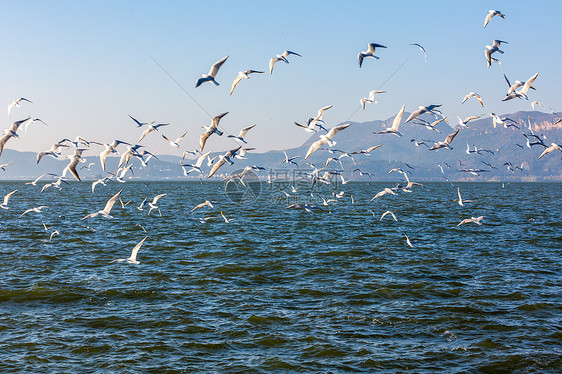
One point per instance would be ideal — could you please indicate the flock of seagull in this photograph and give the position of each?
(316, 124)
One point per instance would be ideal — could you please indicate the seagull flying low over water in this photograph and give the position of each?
(369, 53)
(133, 258)
(471, 219)
(326, 139)
(386, 213)
(4, 204)
(243, 75)
(153, 205)
(36, 210)
(281, 57)
(106, 210)
(210, 77)
(491, 14)
(206, 203)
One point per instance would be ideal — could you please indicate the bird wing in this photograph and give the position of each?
(235, 83)
(314, 146)
(216, 166)
(488, 18)
(110, 202)
(528, 83)
(72, 167)
(215, 68)
(7, 197)
(451, 136)
(360, 58)
(136, 250)
(322, 110)
(201, 159)
(334, 130)
(203, 139)
(245, 130)
(398, 118)
(157, 197)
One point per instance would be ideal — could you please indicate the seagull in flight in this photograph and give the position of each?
(552, 147)
(370, 98)
(471, 219)
(475, 95)
(153, 205)
(446, 143)
(394, 128)
(106, 210)
(281, 57)
(206, 203)
(133, 258)
(242, 134)
(36, 210)
(210, 130)
(421, 49)
(386, 213)
(210, 77)
(243, 75)
(491, 14)
(522, 93)
(369, 53)
(175, 143)
(490, 49)
(461, 201)
(16, 103)
(326, 139)
(424, 109)
(4, 204)
(289, 160)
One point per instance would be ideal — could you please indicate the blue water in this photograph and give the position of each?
(283, 290)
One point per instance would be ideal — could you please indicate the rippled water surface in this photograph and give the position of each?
(282, 290)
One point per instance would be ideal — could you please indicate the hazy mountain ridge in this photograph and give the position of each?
(508, 145)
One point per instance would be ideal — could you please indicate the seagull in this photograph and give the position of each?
(471, 219)
(370, 98)
(126, 156)
(56, 184)
(461, 201)
(446, 143)
(424, 109)
(56, 232)
(202, 219)
(466, 120)
(206, 203)
(281, 57)
(394, 128)
(36, 210)
(382, 193)
(241, 75)
(121, 173)
(153, 205)
(175, 143)
(491, 14)
(326, 139)
(318, 119)
(386, 213)
(289, 160)
(210, 130)
(133, 258)
(475, 95)
(552, 147)
(408, 241)
(212, 73)
(102, 181)
(370, 52)
(428, 125)
(196, 166)
(366, 152)
(109, 148)
(490, 49)
(535, 103)
(4, 204)
(222, 160)
(225, 219)
(242, 134)
(16, 103)
(32, 120)
(4, 139)
(53, 152)
(139, 124)
(74, 160)
(421, 49)
(106, 210)
(522, 93)
(474, 171)
(512, 87)
(3, 166)
(497, 120)
(151, 127)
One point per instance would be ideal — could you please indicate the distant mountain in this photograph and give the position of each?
(507, 153)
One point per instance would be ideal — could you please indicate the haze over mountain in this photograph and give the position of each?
(507, 144)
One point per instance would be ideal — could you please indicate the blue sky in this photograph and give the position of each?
(87, 65)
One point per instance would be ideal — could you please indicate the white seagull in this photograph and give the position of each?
(153, 205)
(522, 93)
(36, 210)
(326, 139)
(370, 98)
(370, 52)
(394, 128)
(475, 95)
(491, 14)
(281, 57)
(133, 258)
(210, 130)
(242, 75)
(212, 73)
(386, 213)
(16, 103)
(106, 210)
(175, 143)
(4, 204)
(242, 134)
(206, 203)
(471, 219)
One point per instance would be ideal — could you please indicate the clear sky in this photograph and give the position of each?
(86, 65)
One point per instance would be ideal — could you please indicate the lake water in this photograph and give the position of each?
(282, 290)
